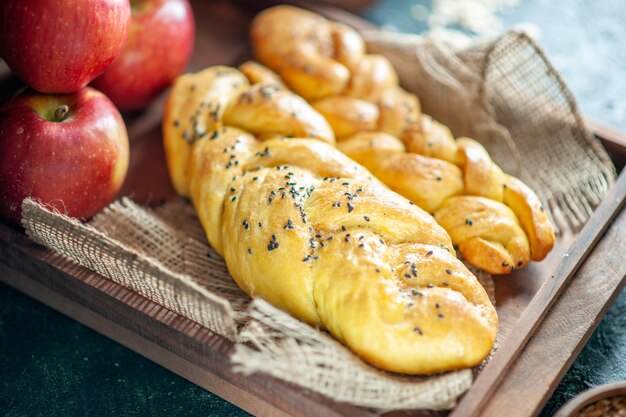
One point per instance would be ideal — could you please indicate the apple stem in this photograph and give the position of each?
(61, 112)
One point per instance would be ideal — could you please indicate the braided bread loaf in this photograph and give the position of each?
(313, 233)
(494, 219)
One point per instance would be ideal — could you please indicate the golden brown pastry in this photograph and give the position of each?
(381, 126)
(312, 232)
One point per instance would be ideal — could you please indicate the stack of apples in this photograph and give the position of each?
(65, 143)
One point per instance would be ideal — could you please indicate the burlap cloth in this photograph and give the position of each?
(503, 93)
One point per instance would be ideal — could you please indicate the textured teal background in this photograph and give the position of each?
(53, 366)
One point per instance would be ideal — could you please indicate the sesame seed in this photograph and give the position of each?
(469, 222)
(505, 264)
(250, 251)
(440, 315)
(234, 198)
(437, 305)
(343, 228)
(255, 178)
(350, 207)
(418, 331)
(449, 272)
(444, 283)
(429, 253)
(367, 219)
(407, 276)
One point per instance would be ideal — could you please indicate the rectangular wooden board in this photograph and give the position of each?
(579, 289)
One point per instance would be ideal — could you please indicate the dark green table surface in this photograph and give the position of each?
(53, 366)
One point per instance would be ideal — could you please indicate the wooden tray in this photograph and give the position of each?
(558, 302)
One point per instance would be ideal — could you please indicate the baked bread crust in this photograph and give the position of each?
(314, 233)
(427, 165)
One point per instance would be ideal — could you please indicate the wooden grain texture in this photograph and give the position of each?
(202, 357)
(487, 383)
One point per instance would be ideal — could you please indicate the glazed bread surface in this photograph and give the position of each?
(314, 233)
(380, 125)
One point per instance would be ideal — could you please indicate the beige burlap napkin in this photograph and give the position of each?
(503, 93)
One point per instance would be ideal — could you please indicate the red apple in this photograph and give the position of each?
(60, 46)
(160, 42)
(69, 151)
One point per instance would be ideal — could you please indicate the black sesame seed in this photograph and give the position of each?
(469, 222)
(343, 228)
(234, 198)
(347, 238)
(438, 178)
(418, 331)
(505, 264)
(377, 270)
(519, 264)
(250, 251)
(449, 272)
(430, 286)
(440, 315)
(350, 207)
(255, 178)
(429, 253)
(437, 305)
(444, 283)
(214, 135)
(367, 219)
(407, 276)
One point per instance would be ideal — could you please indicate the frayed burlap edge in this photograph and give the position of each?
(96, 251)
